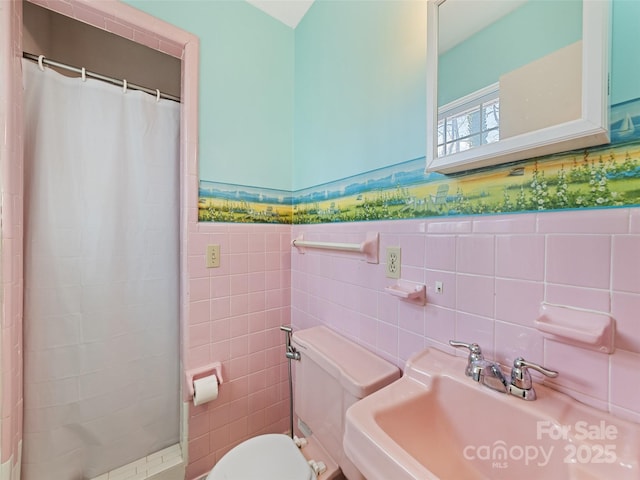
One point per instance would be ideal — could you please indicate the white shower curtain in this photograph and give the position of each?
(101, 276)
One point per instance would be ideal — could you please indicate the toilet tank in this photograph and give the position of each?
(332, 374)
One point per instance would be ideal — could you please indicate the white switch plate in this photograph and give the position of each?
(213, 256)
(438, 287)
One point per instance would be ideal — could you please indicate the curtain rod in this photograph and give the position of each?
(115, 81)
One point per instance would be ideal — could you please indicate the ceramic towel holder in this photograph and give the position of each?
(196, 373)
(368, 249)
(583, 328)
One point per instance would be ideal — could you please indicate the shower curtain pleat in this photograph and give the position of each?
(101, 382)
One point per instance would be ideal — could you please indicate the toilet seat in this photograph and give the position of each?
(265, 457)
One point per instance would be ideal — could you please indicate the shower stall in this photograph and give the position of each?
(104, 271)
(101, 276)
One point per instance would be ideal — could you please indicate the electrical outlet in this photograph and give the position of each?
(213, 256)
(393, 262)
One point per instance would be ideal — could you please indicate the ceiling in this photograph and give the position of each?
(462, 17)
(289, 12)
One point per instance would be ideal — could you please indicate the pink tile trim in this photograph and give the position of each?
(119, 29)
(88, 15)
(453, 226)
(11, 151)
(144, 38)
(505, 224)
(588, 221)
(171, 49)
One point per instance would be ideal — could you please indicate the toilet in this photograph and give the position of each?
(331, 375)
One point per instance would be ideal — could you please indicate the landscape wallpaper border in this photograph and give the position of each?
(598, 177)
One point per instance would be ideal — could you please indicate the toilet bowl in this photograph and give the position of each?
(331, 375)
(265, 457)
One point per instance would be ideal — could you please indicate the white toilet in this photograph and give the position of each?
(330, 376)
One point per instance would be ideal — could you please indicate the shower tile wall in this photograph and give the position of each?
(496, 271)
(11, 177)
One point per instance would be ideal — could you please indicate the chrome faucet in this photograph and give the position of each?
(521, 384)
(482, 371)
(490, 373)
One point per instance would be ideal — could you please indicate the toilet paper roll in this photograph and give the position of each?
(205, 389)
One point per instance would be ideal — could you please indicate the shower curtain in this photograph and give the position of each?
(101, 276)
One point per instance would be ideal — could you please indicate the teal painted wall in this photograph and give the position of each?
(359, 88)
(527, 34)
(342, 94)
(625, 54)
(246, 89)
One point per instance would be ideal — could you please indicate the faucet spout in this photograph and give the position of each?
(481, 370)
(490, 374)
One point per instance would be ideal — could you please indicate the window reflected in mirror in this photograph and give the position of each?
(514, 79)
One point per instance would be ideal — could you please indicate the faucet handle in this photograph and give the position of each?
(475, 354)
(474, 348)
(520, 376)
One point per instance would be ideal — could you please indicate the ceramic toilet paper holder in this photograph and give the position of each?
(196, 373)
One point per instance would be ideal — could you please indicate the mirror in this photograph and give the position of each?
(511, 80)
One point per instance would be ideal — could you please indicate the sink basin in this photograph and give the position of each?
(435, 422)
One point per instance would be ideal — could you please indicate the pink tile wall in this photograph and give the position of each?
(11, 177)
(496, 270)
(234, 317)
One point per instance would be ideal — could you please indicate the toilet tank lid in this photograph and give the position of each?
(360, 371)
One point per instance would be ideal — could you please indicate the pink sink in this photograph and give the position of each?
(437, 423)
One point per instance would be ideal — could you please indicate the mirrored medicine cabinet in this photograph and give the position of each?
(514, 79)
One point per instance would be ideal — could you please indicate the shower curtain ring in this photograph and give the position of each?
(40, 65)
(157, 95)
(84, 74)
(124, 86)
